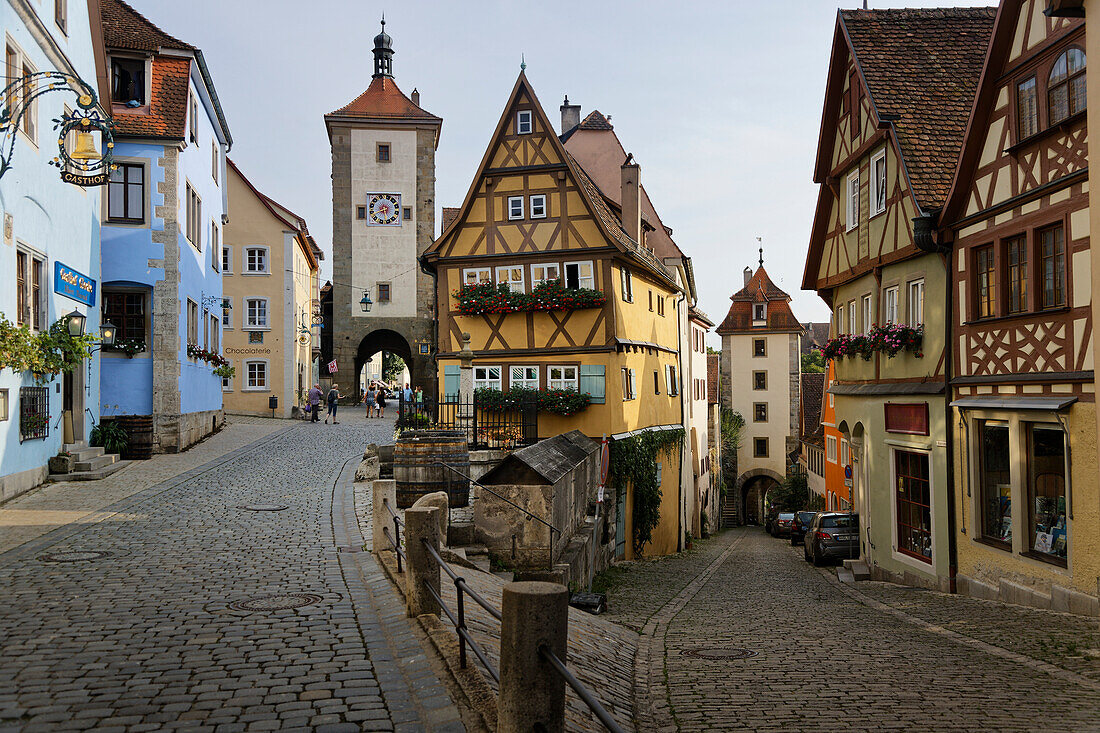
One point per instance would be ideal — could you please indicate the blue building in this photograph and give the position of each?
(49, 227)
(166, 205)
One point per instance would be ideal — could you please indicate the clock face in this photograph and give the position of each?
(385, 209)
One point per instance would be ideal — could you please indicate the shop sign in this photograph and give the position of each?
(72, 284)
(76, 179)
(254, 350)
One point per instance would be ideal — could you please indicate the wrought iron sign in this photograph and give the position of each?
(85, 164)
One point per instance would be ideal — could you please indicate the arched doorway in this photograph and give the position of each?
(383, 340)
(754, 485)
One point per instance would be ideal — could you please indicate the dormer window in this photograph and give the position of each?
(1066, 86)
(524, 125)
(759, 313)
(128, 82)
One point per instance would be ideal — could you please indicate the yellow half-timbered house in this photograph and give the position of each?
(532, 215)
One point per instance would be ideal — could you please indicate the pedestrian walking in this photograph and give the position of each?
(333, 397)
(315, 396)
(381, 401)
(371, 400)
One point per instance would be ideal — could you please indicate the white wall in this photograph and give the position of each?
(738, 348)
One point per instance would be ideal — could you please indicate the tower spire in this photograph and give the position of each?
(383, 53)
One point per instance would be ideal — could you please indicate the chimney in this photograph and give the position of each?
(570, 115)
(416, 97)
(748, 275)
(632, 199)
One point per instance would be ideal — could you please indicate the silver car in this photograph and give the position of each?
(832, 536)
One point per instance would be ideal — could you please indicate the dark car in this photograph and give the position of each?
(799, 526)
(832, 536)
(781, 527)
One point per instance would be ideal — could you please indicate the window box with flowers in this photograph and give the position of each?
(210, 357)
(889, 340)
(551, 295)
(128, 346)
(562, 402)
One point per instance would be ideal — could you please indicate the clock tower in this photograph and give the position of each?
(383, 217)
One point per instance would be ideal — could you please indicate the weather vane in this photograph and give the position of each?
(522, 63)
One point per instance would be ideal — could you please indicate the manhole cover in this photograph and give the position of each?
(263, 507)
(278, 602)
(73, 556)
(719, 653)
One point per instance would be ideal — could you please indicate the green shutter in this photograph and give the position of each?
(450, 380)
(592, 382)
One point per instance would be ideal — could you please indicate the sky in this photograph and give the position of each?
(720, 102)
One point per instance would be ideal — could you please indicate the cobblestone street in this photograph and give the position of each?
(166, 607)
(826, 656)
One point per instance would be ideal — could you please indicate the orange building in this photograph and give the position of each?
(837, 455)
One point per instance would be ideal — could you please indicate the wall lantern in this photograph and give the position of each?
(75, 323)
(107, 333)
(366, 302)
(84, 165)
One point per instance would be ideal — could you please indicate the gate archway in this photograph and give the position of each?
(381, 339)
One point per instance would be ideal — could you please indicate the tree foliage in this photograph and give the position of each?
(45, 353)
(792, 495)
(813, 362)
(392, 366)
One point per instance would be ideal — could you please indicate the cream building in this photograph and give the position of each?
(269, 284)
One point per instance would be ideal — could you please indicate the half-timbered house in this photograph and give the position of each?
(1024, 419)
(534, 221)
(899, 92)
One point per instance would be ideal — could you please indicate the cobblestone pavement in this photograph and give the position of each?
(147, 637)
(825, 655)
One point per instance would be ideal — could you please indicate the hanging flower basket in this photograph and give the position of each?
(551, 295)
(889, 340)
(210, 357)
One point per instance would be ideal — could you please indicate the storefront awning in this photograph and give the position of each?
(1048, 403)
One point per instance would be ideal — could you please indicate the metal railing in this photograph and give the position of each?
(511, 503)
(582, 692)
(486, 426)
(459, 618)
(395, 540)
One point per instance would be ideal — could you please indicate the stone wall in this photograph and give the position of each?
(167, 343)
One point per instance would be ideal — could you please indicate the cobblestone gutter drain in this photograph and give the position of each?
(263, 507)
(719, 653)
(73, 556)
(279, 602)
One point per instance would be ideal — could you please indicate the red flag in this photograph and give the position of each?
(332, 367)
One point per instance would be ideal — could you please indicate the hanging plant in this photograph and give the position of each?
(45, 353)
(634, 466)
(889, 340)
(210, 357)
(549, 295)
(225, 371)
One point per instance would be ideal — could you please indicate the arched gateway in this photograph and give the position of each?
(752, 487)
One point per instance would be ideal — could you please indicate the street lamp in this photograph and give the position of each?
(107, 333)
(366, 302)
(75, 323)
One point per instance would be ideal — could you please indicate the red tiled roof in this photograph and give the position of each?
(450, 213)
(922, 66)
(760, 289)
(812, 390)
(383, 99)
(167, 110)
(595, 121)
(712, 379)
(124, 27)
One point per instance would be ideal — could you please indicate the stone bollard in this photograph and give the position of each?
(384, 490)
(420, 566)
(532, 693)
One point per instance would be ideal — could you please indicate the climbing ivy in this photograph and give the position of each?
(634, 465)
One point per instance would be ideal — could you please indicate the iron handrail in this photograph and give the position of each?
(463, 634)
(398, 523)
(395, 515)
(511, 503)
(582, 691)
(458, 579)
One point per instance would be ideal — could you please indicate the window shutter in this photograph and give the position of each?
(450, 380)
(668, 380)
(592, 382)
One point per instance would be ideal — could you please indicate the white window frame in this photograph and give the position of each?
(890, 305)
(247, 323)
(34, 259)
(29, 124)
(540, 273)
(867, 314)
(672, 384)
(214, 160)
(853, 324)
(914, 314)
(525, 379)
(246, 268)
(878, 183)
(830, 448)
(525, 122)
(504, 275)
(227, 384)
(563, 381)
(581, 280)
(840, 321)
(227, 259)
(845, 453)
(477, 272)
(194, 216)
(215, 246)
(247, 385)
(486, 379)
(627, 284)
(192, 335)
(851, 200)
(538, 206)
(227, 313)
(515, 208)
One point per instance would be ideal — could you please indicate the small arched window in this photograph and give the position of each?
(1066, 87)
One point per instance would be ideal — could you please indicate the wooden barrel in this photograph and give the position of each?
(140, 430)
(416, 456)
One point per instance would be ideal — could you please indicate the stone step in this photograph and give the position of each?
(86, 454)
(844, 575)
(74, 447)
(95, 463)
(90, 475)
(858, 569)
(505, 575)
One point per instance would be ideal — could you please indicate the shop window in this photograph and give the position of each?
(1046, 490)
(995, 485)
(914, 514)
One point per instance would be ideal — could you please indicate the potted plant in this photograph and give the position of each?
(62, 462)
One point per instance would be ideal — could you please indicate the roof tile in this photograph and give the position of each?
(383, 99)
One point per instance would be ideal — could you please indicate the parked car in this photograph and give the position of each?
(801, 523)
(781, 527)
(832, 536)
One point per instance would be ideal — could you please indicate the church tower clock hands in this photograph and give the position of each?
(383, 217)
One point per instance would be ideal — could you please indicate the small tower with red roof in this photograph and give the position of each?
(760, 379)
(383, 217)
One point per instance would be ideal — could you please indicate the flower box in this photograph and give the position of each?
(551, 295)
(890, 340)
